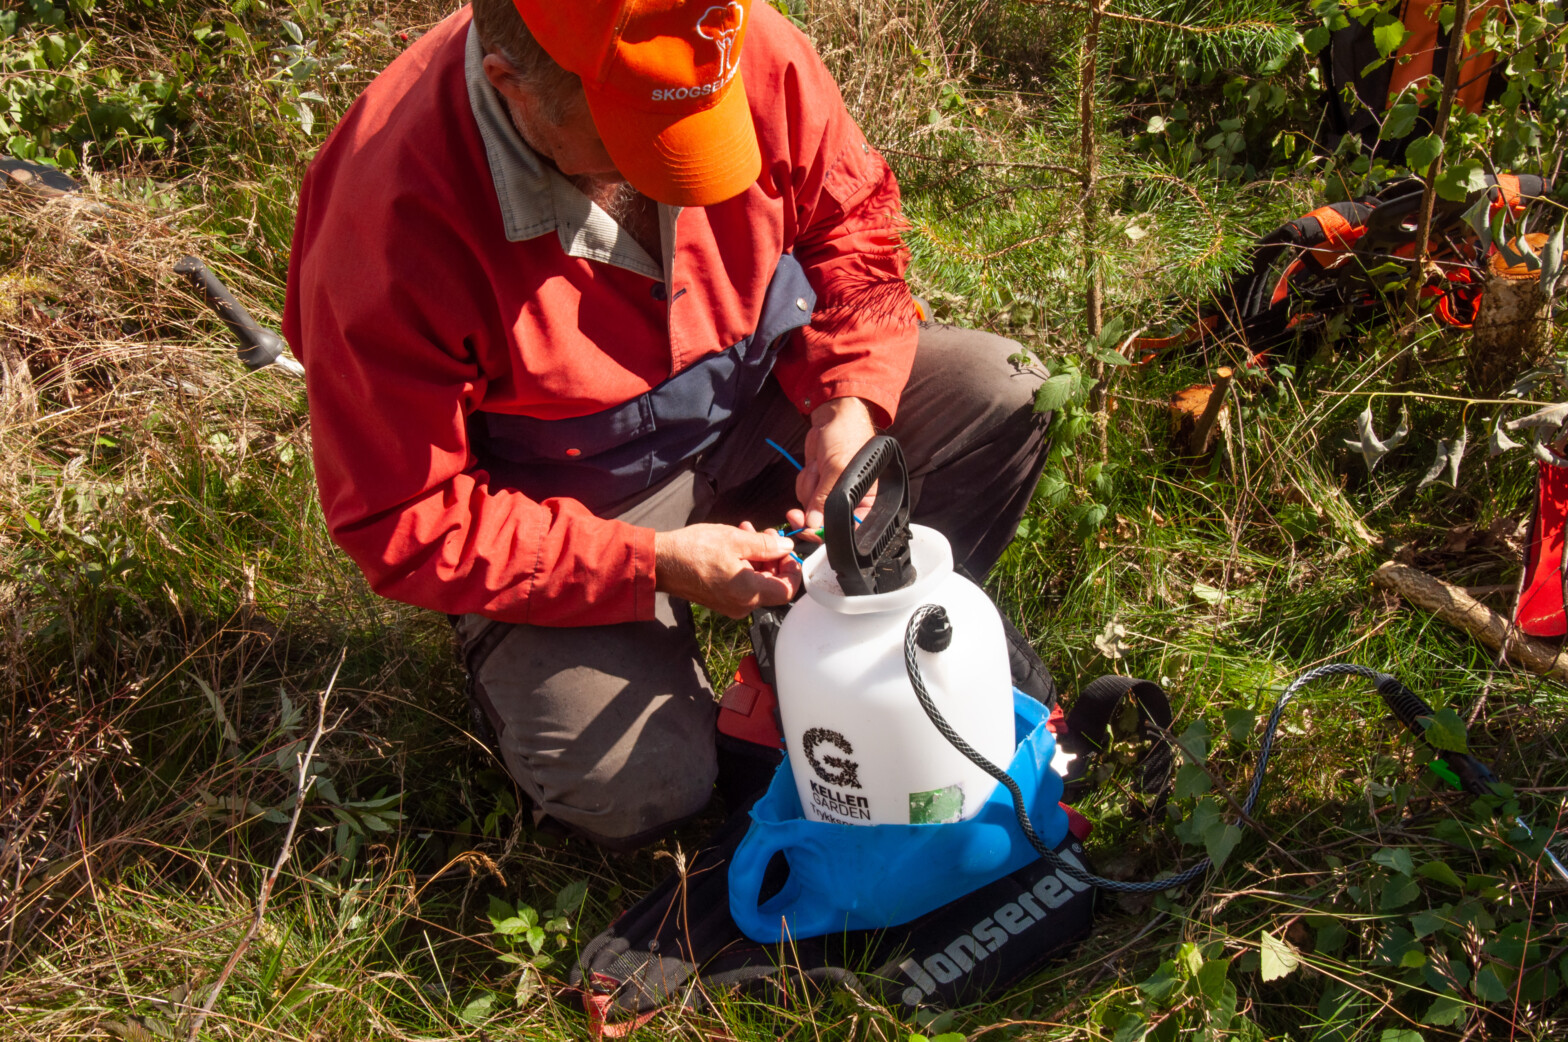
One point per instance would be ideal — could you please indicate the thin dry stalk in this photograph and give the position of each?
(1089, 173)
(1093, 312)
(1456, 43)
(287, 850)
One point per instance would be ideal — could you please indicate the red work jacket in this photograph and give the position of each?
(426, 285)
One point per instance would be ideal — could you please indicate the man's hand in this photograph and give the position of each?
(839, 429)
(730, 570)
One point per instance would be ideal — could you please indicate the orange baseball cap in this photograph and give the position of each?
(664, 89)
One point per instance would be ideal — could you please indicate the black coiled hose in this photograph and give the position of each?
(1406, 705)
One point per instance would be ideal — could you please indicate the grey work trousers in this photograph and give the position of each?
(610, 729)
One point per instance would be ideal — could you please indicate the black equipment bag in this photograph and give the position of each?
(1340, 260)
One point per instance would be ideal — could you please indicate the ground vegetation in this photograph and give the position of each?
(238, 793)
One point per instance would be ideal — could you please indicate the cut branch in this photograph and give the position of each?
(1196, 416)
(305, 780)
(1203, 431)
(1457, 608)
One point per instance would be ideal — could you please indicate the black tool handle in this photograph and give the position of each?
(258, 346)
(1476, 777)
(872, 557)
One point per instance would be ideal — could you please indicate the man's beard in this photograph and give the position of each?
(627, 207)
(613, 195)
(637, 214)
(616, 198)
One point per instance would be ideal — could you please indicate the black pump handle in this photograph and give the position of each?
(258, 346)
(873, 557)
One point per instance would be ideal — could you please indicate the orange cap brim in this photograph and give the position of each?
(691, 159)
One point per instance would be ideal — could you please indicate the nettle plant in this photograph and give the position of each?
(71, 97)
(292, 60)
(529, 941)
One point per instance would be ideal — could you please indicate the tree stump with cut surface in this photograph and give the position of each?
(1509, 335)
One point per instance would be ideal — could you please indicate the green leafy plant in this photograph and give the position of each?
(1207, 825)
(532, 941)
(1521, 131)
(1190, 996)
(60, 104)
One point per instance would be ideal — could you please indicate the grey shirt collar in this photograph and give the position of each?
(536, 198)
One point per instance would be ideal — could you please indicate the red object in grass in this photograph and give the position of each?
(749, 709)
(1540, 611)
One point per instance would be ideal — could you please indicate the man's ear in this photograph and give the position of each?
(503, 77)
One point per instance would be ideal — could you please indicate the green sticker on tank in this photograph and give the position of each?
(937, 807)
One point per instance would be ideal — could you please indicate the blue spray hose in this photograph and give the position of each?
(782, 451)
(1474, 776)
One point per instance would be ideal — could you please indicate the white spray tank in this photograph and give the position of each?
(861, 749)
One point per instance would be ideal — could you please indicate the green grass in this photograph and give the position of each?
(173, 607)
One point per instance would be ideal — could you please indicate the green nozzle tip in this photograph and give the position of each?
(1445, 772)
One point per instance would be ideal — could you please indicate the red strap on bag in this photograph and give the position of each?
(1413, 61)
(1150, 346)
(1338, 233)
(1508, 195)
(598, 1009)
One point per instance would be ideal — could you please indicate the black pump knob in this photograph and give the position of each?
(935, 633)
